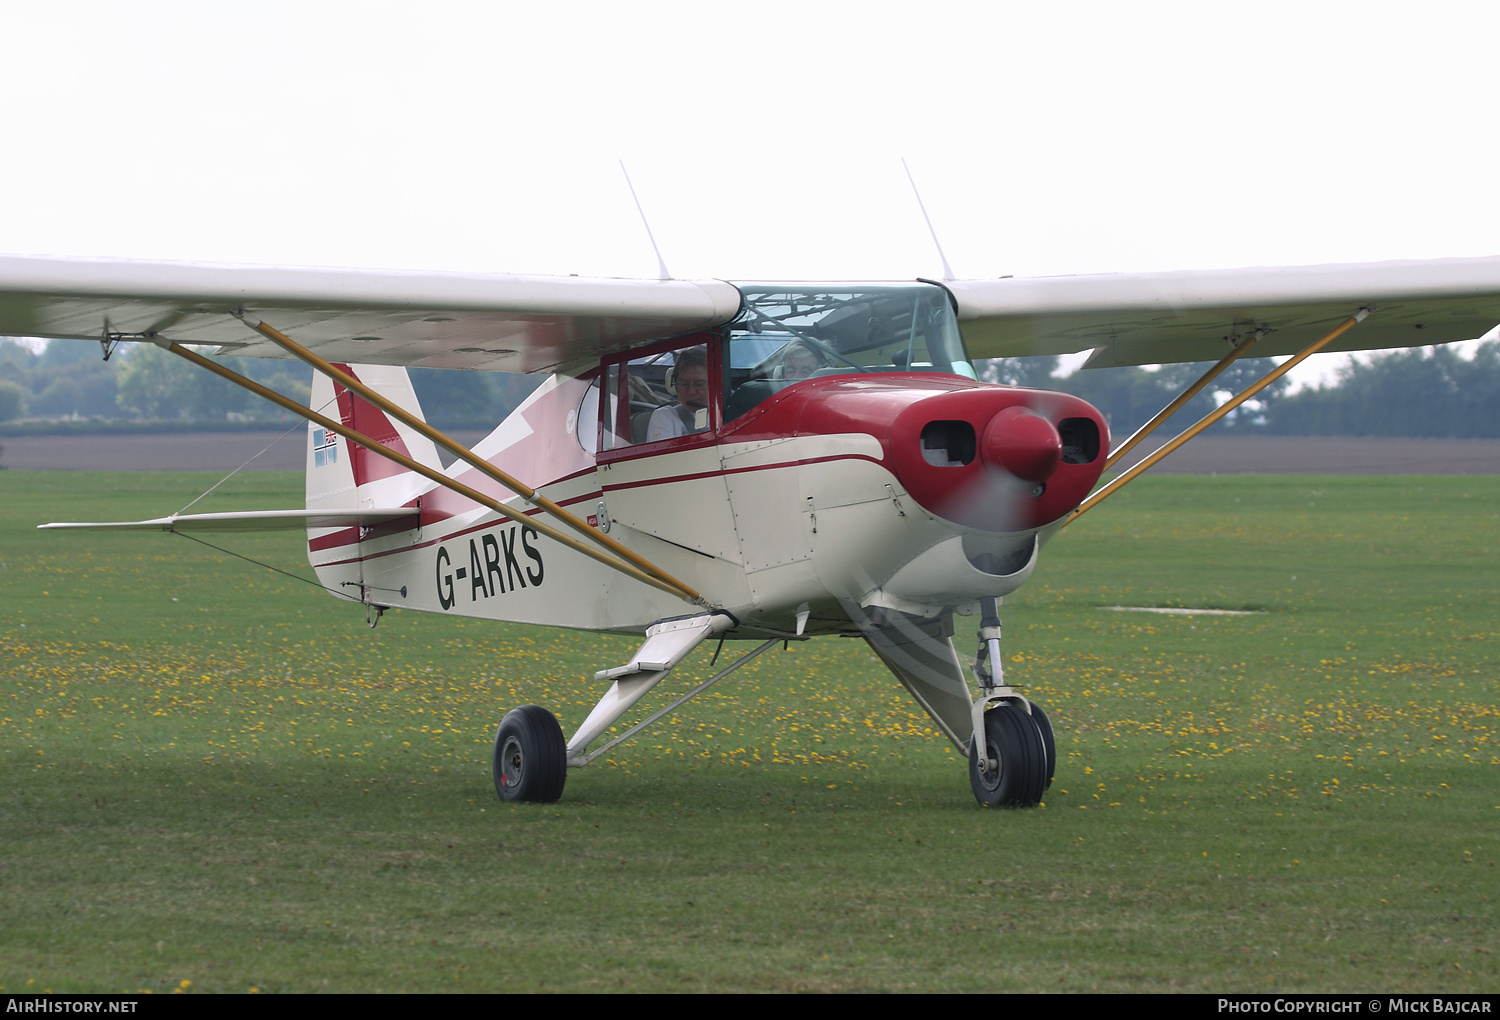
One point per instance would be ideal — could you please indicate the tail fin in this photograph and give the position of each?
(344, 475)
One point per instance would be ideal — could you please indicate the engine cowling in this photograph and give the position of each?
(985, 457)
(999, 459)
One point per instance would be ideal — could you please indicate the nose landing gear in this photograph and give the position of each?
(1013, 753)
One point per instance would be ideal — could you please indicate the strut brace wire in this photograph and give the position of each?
(221, 481)
(258, 563)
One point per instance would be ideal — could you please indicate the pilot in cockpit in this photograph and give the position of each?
(690, 413)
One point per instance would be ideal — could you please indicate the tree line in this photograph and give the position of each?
(1422, 391)
(69, 379)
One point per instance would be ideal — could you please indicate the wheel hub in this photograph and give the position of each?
(514, 763)
(990, 776)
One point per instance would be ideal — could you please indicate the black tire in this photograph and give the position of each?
(531, 757)
(1049, 742)
(1018, 762)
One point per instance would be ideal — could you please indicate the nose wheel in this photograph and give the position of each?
(1020, 756)
(531, 762)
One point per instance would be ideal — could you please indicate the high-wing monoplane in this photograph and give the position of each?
(771, 461)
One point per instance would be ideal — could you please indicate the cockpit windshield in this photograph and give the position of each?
(789, 333)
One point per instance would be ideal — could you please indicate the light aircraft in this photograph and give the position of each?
(772, 461)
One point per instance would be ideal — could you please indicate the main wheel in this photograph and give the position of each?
(1049, 742)
(531, 757)
(1017, 773)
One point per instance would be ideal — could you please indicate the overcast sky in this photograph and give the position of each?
(764, 139)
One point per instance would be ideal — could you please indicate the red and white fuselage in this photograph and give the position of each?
(909, 491)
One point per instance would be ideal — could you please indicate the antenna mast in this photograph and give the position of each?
(947, 269)
(661, 263)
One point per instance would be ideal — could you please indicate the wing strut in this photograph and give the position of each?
(1186, 395)
(1119, 482)
(464, 453)
(374, 446)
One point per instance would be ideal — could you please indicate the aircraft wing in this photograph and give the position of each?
(535, 323)
(1161, 318)
(250, 520)
(438, 320)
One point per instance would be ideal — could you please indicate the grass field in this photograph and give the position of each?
(218, 779)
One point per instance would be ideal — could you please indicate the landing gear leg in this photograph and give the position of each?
(1013, 753)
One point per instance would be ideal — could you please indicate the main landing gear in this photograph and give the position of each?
(1012, 752)
(1013, 763)
(531, 758)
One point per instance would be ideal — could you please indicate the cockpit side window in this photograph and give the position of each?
(787, 334)
(663, 395)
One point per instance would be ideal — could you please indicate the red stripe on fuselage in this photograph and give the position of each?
(666, 480)
(344, 536)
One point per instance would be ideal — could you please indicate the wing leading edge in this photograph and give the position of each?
(1161, 318)
(493, 322)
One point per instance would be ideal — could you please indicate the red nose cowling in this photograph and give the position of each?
(992, 458)
(1038, 454)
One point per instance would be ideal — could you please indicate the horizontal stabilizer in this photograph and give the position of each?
(253, 520)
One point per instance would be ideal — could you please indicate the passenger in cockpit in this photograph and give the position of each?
(799, 362)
